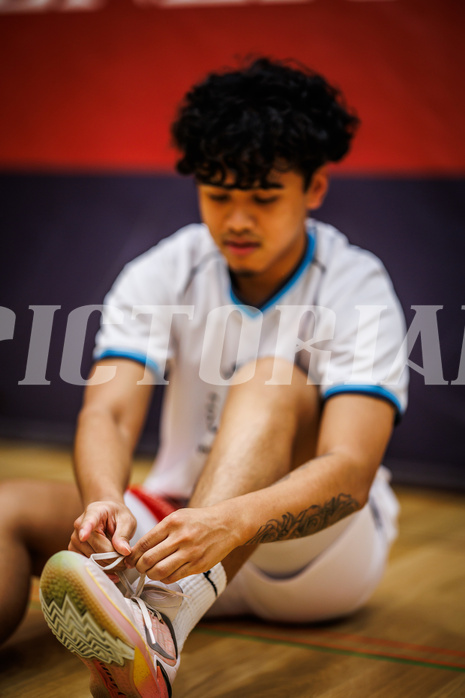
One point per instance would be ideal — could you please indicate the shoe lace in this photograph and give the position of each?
(146, 596)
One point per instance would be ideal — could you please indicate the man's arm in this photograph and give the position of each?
(353, 437)
(354, 433)
(109, 426)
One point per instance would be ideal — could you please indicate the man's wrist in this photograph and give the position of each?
(114, 497)
(240, 518)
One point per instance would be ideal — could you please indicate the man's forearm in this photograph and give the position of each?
(108, 428)
(308, 500)
(194, 539)
(102, 456)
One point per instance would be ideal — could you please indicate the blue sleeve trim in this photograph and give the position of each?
(376, 391)
(132, 355)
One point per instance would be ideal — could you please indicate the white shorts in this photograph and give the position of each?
(323, 576)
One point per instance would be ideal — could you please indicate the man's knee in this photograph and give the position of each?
(33, 510)
(269, 370)
(16, 497)
(280, 382)
(280, 390)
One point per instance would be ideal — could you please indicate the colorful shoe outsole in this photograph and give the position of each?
(90, 617)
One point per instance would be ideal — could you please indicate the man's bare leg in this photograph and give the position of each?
(265, 431)
(36, 521)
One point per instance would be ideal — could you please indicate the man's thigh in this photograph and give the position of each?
(40, 514)
(308, 406)
(290, 390)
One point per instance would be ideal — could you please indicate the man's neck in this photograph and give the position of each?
(256, 289)
(251, 290)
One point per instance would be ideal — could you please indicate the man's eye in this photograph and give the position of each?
(265, 199)
(219, 197)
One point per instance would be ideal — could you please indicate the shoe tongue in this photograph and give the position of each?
(158, 596)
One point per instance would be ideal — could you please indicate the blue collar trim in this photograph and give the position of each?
(306, 261)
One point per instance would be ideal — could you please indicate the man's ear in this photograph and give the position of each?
(318, 187)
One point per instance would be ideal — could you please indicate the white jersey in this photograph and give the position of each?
(174, 310)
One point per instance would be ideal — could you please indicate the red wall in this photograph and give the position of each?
(98, 89)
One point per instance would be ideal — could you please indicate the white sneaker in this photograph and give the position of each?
(126, 642)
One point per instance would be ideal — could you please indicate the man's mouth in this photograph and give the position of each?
(241, 248)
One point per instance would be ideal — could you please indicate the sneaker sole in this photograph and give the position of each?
(80, 606)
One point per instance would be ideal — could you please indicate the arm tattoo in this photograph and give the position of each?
(309, 521)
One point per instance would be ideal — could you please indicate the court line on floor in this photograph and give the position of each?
(332, 648)
(389, 643)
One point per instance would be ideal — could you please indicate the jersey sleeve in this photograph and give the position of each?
(138, 311)
(368, 331)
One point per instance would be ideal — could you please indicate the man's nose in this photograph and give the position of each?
(239, 219)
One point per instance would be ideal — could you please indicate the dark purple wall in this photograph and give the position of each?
(65, 238)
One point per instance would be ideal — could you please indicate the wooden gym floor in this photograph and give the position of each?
(408, 642)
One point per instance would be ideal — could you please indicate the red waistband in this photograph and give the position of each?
(158, 505)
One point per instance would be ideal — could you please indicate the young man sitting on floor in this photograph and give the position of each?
(279, 342)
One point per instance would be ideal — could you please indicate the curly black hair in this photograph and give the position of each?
(267, 115)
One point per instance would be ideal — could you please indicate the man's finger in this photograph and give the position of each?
(100, 543)
(158, 554)
(180, 573)
(121, 545)
(82, 548)
(151, 539)
(167, 567)
(124, 530)
(89, 524)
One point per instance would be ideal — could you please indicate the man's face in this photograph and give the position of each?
(261, 232)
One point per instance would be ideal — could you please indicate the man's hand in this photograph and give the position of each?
(103, 527)
(188, 541)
